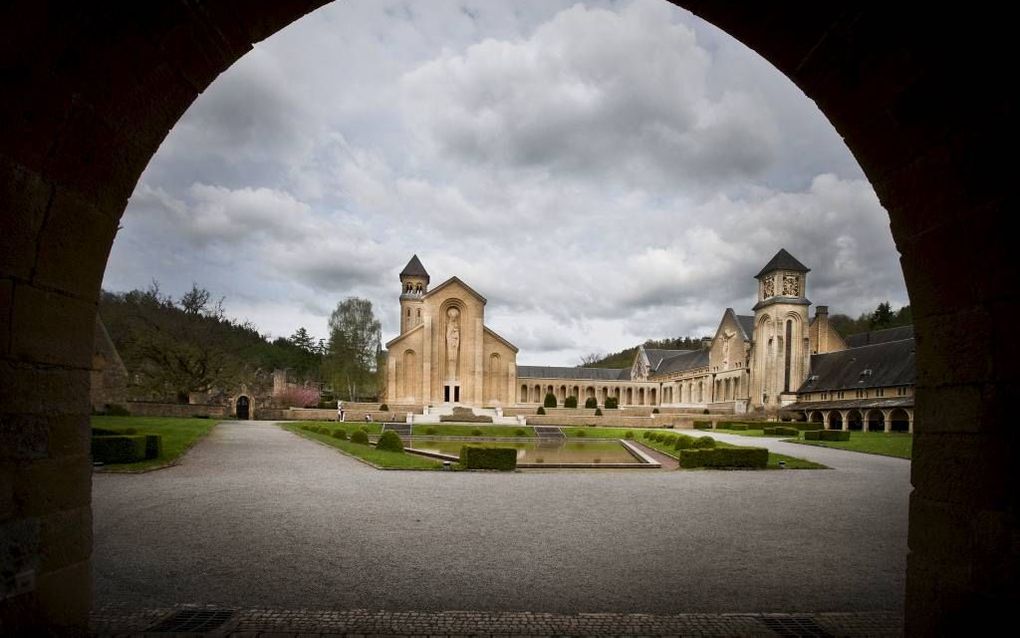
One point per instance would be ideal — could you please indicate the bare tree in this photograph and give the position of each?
(591, 359)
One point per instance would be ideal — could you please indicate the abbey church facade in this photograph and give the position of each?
(778, 358)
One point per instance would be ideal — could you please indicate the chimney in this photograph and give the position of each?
(822, 326)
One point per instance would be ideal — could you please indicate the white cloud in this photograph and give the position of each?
(603, 173)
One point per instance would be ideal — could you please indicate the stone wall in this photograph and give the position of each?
(146, 408)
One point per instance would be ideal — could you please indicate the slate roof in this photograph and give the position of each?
(657, 355)
(783, 261)
(747, 325)
(849, 404)
(414, 269)
(686, 360)
(880, 336)
(563, 372)
(875, 366)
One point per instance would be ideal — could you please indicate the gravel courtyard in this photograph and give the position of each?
(255, 516)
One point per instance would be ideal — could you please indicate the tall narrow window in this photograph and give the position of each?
(789, 351)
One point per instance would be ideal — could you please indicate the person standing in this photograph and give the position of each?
(339, 410)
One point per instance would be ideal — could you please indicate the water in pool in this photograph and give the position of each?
(569, 451)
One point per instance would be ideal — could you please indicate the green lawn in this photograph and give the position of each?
(178, 435)
(898, 444)
(446, 429)
(792, 463)
(369, 426)
(380, 458)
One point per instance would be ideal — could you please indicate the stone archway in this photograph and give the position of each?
(242, 408)
(924, 120)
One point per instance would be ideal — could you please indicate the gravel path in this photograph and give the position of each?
(257, 516)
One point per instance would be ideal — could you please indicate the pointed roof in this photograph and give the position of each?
(415, 269)
(782, 261)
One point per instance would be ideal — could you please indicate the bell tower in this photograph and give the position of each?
(781, 344)
(414, 283)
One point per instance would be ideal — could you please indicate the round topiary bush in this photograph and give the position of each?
(683, 442)
(550, 401)
(628, 435)
(669, 439)
(655, 410)
(430, 430)
(598, 411)
(540, 410)
(476, 432)
(570, 402)
(705, 411)
(340, 434)
(590, 402)
(359, 436)
(390, 441)
(384, 408)
(612, 403)
(520, 432)
(704, 442)
(647, 434)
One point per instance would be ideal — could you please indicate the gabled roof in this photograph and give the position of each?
(875, 366)
(414, 269)
(457, 280)
(686, 360)
(657, 355)
(397, 338)
(562, 372)
(500, 339)
(880, 336)
(747, 325)
(782, 261)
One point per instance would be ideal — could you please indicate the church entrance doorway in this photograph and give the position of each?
(451, 391)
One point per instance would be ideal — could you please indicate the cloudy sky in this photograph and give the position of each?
(603, 172)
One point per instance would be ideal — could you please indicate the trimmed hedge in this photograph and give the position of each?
(745, 457)
(612, 403)
(384, 408)
(827, 435)
(359, 436)
(591, 402)
(570, 402)
(339, 434)
(781, 430)
(738, 427)
(119, 448)
(540, 410)
(465, 418)
(628, 435)
(598, 411)
(105, 432)
(153, 446)
(550, 401)
(390, 440)
(655, 410)
(702, 425)
(476, 457)
(805, 426)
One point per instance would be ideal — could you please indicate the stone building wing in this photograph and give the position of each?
(657, 355)
(875, 366)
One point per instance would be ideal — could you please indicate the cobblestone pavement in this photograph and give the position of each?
(358, 622)
(255, 516)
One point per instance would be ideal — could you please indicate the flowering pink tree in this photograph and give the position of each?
(297, 397)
